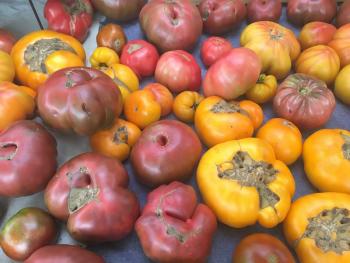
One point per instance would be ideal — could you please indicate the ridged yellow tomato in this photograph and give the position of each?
(7, 68)
(103, 57)
(185, 105)
(264, 90)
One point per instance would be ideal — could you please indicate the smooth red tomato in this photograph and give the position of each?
(214, 48)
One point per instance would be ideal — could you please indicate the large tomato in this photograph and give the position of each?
(342, 85)
(276, 46)
(301, 12)
(179, 71)
(264, 10)
(343, 15)
(171, 25)
(90, 193)
(7, 40)
(112, 36)
(80, 100)
(232, 75)
(121, 10)
(341, 44)
(7, 68)
(262, 248)
(27, 158)
(316, 33)
(221, 16)
(305, 101)
(71, 17)
(214, 48)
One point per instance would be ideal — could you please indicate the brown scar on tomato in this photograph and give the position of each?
(223, 106)
(346, 146)
(121, 135)
(8, 151)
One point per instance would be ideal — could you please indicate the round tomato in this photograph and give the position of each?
(7, 40)
(142, 108)
(163, 97)
(341, 44)
(214, 48)
(316, 33)
(111, 36)
(264, 89)
(262, 248)
(185, 105)
(342, 85)
(7, 68)
(284, 137)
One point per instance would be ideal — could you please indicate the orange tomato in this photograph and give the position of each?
(316, 33)
(163, 96)
(341, 44)
(142, 108)
(7, 68)
(254, 111)
(116, 141)
(62, 59)
(264, 90)
(185, 105)
(284, 137)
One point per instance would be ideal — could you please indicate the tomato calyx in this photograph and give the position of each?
(251, 173)
(275, 34)
(346, 146)
(330, 230)
(261, 79)
(36, 53)
(304, 90)
(76, 7)
(121, 135)
(8, 151)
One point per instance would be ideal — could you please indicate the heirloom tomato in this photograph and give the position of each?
(103, 58)
(341, 44)
(316, 33)
(173, 227)
(264, 10)
(112, 36)
(7, 40)
(317, 227)
(28, 230)
(320, 61)
(276, 46)
(90, 193)
(185, 105)
(163, 97)
(254, 111)
(262, 248)
(16, 103)
(62, 59)
(121, 10)
(117, 140)
(305, 101)
(214, 48)
(243, 183)
(327, 160)
(29, 55)
(343, 15)
(232, 75)
(7, 67)
(71, 17)
(284, 137)
(264, 89)
(342, 85)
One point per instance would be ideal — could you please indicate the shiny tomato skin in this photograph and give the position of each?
(214, 48)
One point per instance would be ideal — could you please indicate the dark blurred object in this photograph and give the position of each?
(343, 16)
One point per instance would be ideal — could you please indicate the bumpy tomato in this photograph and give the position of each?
(284, 137)
(264, 89)
(103, 57)
(342, 85)
(319, 61)
(214, 48)
(142, 108)
(117, 140)
(341, 44)
(327, 160)
(185, 105)
(163, 97)
(276, 46)
(7, 68)
(254, 111)
(316, 33)
(112, 36)
(217, 121)
(243, 183)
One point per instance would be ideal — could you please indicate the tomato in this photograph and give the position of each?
(103, 58)
(116, 141)
(217, 121)
(319, 61)
(327, 160)
(28, 230)
(255, 112)
(7, 68)
(124, 77)
(341, 44)
(141, 57)
(185, 105)
(69, 17)
(221, 16)
(173, 227)
(171, 25)
(62, 59)
(142, 108)
(163, 97)
(90, 193)
(264, 10)
(305, 101)
(120, 10)
(284, 137)
(27, 158)
(317, 227)
(276, 46)
(262, 248)
(29, 55)
(243, 183)
(343, 15)
(179, 71)
(80, 100)
(264, 89)
(7, 40)
(214, 48)
(316, 33)
(342, 85)
(301, 12)
(112, 36)
(63, 254)
(232, 75)
(16, 103)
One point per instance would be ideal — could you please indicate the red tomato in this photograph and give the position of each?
(264, 10)
(316, 33)
(141, 57)
(179, 71)
(7, 40)
(214, 48)
(343, 16)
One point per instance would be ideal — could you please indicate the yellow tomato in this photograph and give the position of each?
(185, 105)
(103, 57)
(264, 90)
(7, 68)
(342, 85)
(62, 59)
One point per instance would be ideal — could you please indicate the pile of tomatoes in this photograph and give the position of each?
(240, 161)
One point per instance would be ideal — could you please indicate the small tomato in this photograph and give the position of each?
(103, 57)
(185, 105)
(264, 90)
(112, 36)
(163, 97)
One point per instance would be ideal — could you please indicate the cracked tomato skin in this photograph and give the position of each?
(90, 193)
(27, 158)
(237, 205)
(173, 227)
(79, 99)
(298, 219)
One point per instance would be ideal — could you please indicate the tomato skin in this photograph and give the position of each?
(341, 44)
(7, 40)
(111, 36)
(163, 96)
(261, 248)
(185, 105)
(342, 85)
(214, 48)
(264, 10)
(316, 33)
(264, 89)
(28, 230)
(343, 15)
(7, 68)
(254, 111)
(103, 58)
